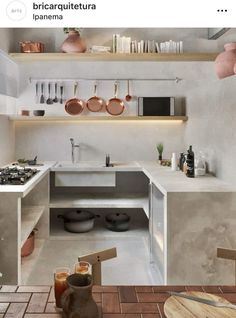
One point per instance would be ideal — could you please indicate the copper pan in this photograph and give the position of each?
(115, 106)
(95, 104)
(74, 106)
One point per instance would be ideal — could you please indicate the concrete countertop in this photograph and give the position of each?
(23, 190)
(163, 177)
(176, 181)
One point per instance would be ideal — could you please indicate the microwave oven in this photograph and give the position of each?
(156, 106)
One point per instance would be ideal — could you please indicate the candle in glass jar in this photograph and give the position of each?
(83, 268)
(60, 283)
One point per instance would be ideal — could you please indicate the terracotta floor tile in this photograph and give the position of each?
(194, 288)
(121, 315)
(8, 289)
(161, 310)
(211, 289)
(151, 315)
(105, 289)
(143, 289)
(110, 303)
(51, 295)
(3, 307)
(228, 289)
(37, 303)
(139, 308)
(16, 310)
(127, 294)
(43, 316)
(14, 297)
(168, 288)
(152, 297)
(33, 289)
(231, 297)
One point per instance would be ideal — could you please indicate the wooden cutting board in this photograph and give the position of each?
(177, 307)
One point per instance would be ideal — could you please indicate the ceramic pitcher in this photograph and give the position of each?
(77, 300)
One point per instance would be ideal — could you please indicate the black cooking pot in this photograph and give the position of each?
(79, 221)
(117, 222)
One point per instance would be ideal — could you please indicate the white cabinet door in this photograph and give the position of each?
(157, 231)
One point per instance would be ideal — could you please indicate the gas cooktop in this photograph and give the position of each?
(16, 175)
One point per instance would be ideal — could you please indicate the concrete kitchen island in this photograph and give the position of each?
(185, 219)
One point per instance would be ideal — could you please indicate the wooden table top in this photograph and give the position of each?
(113, 301)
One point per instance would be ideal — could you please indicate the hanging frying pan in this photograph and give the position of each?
(95, 104)
(74, 106)
(115, 106)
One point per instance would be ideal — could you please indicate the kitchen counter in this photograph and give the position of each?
(165, 179)
(113, 301)
(23, 190)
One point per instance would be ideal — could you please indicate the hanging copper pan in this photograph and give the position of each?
(115, 106)
(95, 104)
(74, 106)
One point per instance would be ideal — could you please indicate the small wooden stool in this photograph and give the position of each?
(95, 260)
(227, 254)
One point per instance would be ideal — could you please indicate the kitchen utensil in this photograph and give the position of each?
(24, 112)
(61, 92)
(49, 100)
(33, 162)
(55, 100)
(74, 106)
(115, 106)
(36, 93)
(117, 222)
(95, 104)
(28, 246)
(31, 47)
(78, 221)
(178, 307)
(39, 112)
(128, 97)
(42, 99)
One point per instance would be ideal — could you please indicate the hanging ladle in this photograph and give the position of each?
(128, 97)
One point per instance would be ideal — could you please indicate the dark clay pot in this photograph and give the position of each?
(77, 300)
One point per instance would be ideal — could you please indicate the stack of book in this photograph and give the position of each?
(123, 44)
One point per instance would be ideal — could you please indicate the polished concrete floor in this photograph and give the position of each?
(131, 266)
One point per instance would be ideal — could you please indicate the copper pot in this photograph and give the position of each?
(31, 47)
(28, 246)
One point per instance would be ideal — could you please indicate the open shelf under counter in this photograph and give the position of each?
(100, 200)
(109, 57)
(95, 118)
(28, 262)
(30, 216)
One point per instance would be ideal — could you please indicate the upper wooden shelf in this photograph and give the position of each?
(97, 118)
(109, 57)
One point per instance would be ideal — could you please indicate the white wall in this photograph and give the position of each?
(7, 141)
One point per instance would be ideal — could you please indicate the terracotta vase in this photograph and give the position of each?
(225, 61)
(77, 300)
(73, 43)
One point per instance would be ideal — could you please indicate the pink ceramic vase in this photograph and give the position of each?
(73, 43)
(225, 61)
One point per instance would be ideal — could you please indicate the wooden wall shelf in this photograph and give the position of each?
(95, 118)
(109, 57)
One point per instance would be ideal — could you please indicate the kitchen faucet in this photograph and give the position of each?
(73, 146)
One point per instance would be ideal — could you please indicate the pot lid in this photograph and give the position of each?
(117, 217)
(79, 215)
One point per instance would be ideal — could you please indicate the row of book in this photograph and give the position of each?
(123, 44)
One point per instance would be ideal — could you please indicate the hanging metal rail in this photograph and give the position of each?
(34, 79)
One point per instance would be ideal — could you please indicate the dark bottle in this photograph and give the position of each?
(181, 161)
(190, 163)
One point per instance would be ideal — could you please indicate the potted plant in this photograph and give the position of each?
(160, 148)
(74, 43)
